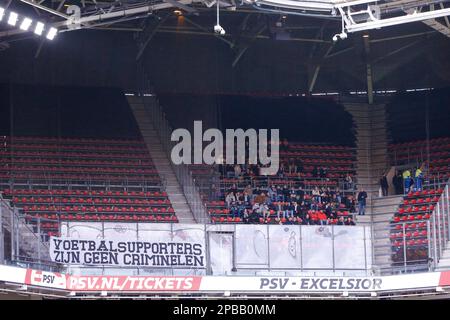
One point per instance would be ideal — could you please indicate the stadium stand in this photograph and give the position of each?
(53, 180)
(415, 152)
(315, 185)
(409, 231)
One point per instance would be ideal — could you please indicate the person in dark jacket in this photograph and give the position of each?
(384, 186)
(397, 182)
(362, 196)
(349, 222)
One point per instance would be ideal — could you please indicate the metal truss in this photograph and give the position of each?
(370, 16)
(356, 15)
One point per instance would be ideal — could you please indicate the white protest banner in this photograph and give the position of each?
(132, 253)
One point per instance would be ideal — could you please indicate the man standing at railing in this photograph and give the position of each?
(362, 196)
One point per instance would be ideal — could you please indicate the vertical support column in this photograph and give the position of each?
(2, 236)
(301, 247)
(332, 246)
(368, 68)
(444, 221)
(437, 212)
(433, 227)
(446, 195)
(365, 249)
(13, 224)
(16, 231)
(39, 239)
(268, 247)
(404, 246)
(430, 252)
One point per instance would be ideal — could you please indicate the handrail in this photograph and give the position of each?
(440, 226)
(18, 228)
(182, 172)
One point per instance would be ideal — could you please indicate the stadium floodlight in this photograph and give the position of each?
(26, 23)
(13, 17)
(2, 13)
(52, 33)
(39, 28)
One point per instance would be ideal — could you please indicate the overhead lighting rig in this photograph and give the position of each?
(13, 18)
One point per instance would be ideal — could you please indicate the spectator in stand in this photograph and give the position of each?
(349, 222)
(246, 216)
(261, 198)
(316, 194)
(246, 198)
(307, 220)
(233, 189)
(284, 145)
(300, 195)
(272, 194)
(237, 171)
(323, 172)
(384, 185)
(281, 170)
(348, 182)
(338, 196)
(315, 172)
(341, 221)
(292, 166)
(280, 210)
(296, 209)
(322, 217)
(407, 181)
(397, 181)
(234, 211)
(419, 178)
(264, 211)
(248, 190)
(300, 166)
(230, 199)
(362, 196)
(289, 209)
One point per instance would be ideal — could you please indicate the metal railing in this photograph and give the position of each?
(25, 243)
(440, 227)
(250, 249)
(418, 245)
(182, 172)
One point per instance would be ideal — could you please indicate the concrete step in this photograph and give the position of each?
(160, 159)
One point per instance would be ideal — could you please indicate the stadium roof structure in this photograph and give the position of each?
(355, 15)
(332, 37)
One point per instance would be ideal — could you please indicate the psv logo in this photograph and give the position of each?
(48, 279)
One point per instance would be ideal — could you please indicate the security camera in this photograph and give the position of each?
(341, 36)
(218, 29)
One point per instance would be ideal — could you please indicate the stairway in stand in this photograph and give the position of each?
(444, 261)
(161, 161)
(372, 146)
(383, 210)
